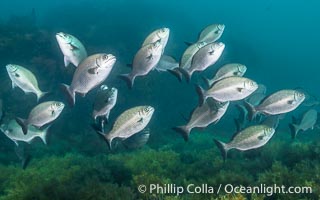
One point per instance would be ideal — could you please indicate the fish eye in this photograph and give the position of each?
(163, 30)
(105, 57)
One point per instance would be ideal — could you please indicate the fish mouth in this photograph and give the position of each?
(11, 68)
(149, 110)
(62, 37)
(221, 27)
(111, 57)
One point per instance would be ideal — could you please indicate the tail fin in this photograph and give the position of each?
(41, 94)
(103, 135)
(208, 81)
(251, 110)
(128, 78)
(222, 148)
(71, 95)
(185, 74)
(44, 134)
(294, 130)
(184, 131)
(109, 140)
(176, 72)
(23, 123)
(238, 125)
(202, 97)
(25, 161)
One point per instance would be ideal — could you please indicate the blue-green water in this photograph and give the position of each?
(277, 41)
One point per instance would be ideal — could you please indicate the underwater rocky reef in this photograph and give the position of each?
(117, 176)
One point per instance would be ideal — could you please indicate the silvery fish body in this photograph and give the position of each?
(161, 35)
(229, 89)
(129, 123)
(249, 138)
(206, 56)
(41, 115)
(89, 74)
(188, 54)
(211, 33)
(186, 58)
(105, 100)
(210, 112)
(13, 131)
(72, 49)
(279, 102)
(232, 69)
(144, 61)
(24, 79)
(308, 121)
(166, 63)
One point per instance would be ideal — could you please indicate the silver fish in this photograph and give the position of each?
(202, 116)
(72, 49)
(137, 140)
(232, 69)
(228, 89)
(129, 123)
(186, 58)
(308, 121)
(41, 115)
(161, 35)
(166, 63)
(24, 79)
(206, 56)
(144, 61)
(211, 33)
(250, 138)
(13, 131)
(279, 102)
(105, 100)
(89, 74)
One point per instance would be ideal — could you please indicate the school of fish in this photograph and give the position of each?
(259, 113)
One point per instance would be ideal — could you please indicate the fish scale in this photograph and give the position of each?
(24, 79)
(89, 74)
(129, 123)
(249, 138)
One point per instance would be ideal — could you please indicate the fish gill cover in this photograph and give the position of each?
(170, 135)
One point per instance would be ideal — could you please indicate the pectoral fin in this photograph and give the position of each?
(66, 61)
(150, 57)
(261, 137)
(93, 70)
(73, 47)
(13, 85)
(140, 120)
(240, 90)
(291, 102)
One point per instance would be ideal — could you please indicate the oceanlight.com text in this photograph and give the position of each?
(268, 190)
